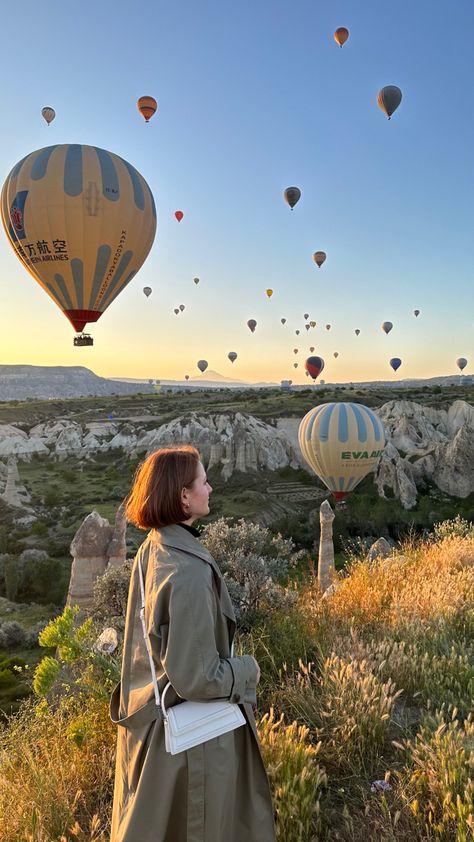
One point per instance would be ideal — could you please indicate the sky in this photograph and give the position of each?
(254, 97)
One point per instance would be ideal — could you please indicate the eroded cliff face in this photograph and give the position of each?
(424, 445)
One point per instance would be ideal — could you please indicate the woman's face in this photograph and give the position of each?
(195, 498)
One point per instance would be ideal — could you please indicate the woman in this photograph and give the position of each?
(217, 791)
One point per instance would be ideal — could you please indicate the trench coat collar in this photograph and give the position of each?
(180, 539)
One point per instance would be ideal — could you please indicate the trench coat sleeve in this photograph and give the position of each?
(190, 657)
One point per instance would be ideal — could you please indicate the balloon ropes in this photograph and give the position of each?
(342, 443)
(82, 221)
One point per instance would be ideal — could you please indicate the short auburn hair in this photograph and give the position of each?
(155, 498)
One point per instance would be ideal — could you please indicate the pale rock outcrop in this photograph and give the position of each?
(326, 568)
(89, 550)
(14, 441)
(126, 438)
(117, 548)
(107, 642)
(15, 493)
(379, 549)
(395, 473)
(451, 467)
(69, 441)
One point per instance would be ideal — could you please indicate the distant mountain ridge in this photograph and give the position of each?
(18, 382)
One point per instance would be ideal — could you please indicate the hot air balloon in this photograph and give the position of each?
(312, 324)
(311, 350)
(305, 316)
(269, 293)
(181, 307)
(328, 327)
(357, 331)
(186, 376)
(295, 350)
(461, 363)
(196, 281)
(386, 326)
(295, 365)
(395, 362)
(307, 327)
(319, 257)
(292, 195)
(179, 215)
(232, 356)
(416, 312)
(48, 114)
(297, 332)
(147, 291)
(336, 354)
(252, 324)
(176, 311)
(147, 106)
(202, 365)
(342, 443)
(283, 321)
(314, 366)
(82, 221)
(388, 99)
(341, 35)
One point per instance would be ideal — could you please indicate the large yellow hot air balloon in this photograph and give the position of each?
(82, 221)
(342, 442)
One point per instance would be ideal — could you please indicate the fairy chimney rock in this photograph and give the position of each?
(326, 568)
(117, 548)
(89, 549)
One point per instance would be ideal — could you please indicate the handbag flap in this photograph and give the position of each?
(193, 716)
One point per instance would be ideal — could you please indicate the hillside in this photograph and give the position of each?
(21, 382)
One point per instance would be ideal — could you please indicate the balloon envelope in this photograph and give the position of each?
(312, 324)
(395, 362)
(336, 354)
(202, 365)
(295, 365)
(292, 195)
(311, 349)
(186, 376)
(306, 316)
(386, 327)
(283, 321)
(295, 350)
(388, 99)
(357, 331)
(461, 363)
(196, 281)
(416, 312)
(147, 291)
(269, 293)
(82, 221)
(319, 257)
(341, 35)
(297, 332)
(342, 442)
(176, 310)
(314, 366)
(232, 356)
(179, 215)
(181, 307)
(252, 324)
(147, 106)
(48, 114)
(328, 327)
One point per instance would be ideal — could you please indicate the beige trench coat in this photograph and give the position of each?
(217, 791)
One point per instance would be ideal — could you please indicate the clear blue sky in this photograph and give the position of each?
(253, 97)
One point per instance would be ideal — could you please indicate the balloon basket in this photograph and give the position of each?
(82, 340)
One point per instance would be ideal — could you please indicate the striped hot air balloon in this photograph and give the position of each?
(342, 443)
(82, 221)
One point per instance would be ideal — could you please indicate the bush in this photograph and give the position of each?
(12, 635)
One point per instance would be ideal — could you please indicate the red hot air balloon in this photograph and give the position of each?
(179, 215)
(314, 366)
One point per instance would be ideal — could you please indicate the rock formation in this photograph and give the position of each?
(95, 545)
(326, 568)
(15, 493)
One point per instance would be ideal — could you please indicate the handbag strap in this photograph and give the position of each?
(147, 639)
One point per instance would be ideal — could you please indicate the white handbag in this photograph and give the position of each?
(189, 724)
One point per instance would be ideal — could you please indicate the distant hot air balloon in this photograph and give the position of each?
(181, 307)
(292, 195)
(357, 331)
(336, 354)
(297, 332)
(202, 365)
(186, 376)
(342, 442)
(176, 311)
(312, 324)
(328, 327)
(147, 291)
(306, 316)
(82, 221)
(179, 215)
(386, 327)
(461, 363)
(48, 114)
(252, 324)
(269, 293)
(307, 326)
(395, 362)
(295, 365)
(314, 366)
(232, 356)
(283, 321)
(416, 312)
(388, 99)
(311, 349)
(147, 106)
(295, 350)
(341, 35)
(196, 281)
(319, 257)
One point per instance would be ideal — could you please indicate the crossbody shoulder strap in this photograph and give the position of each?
(146, 637)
